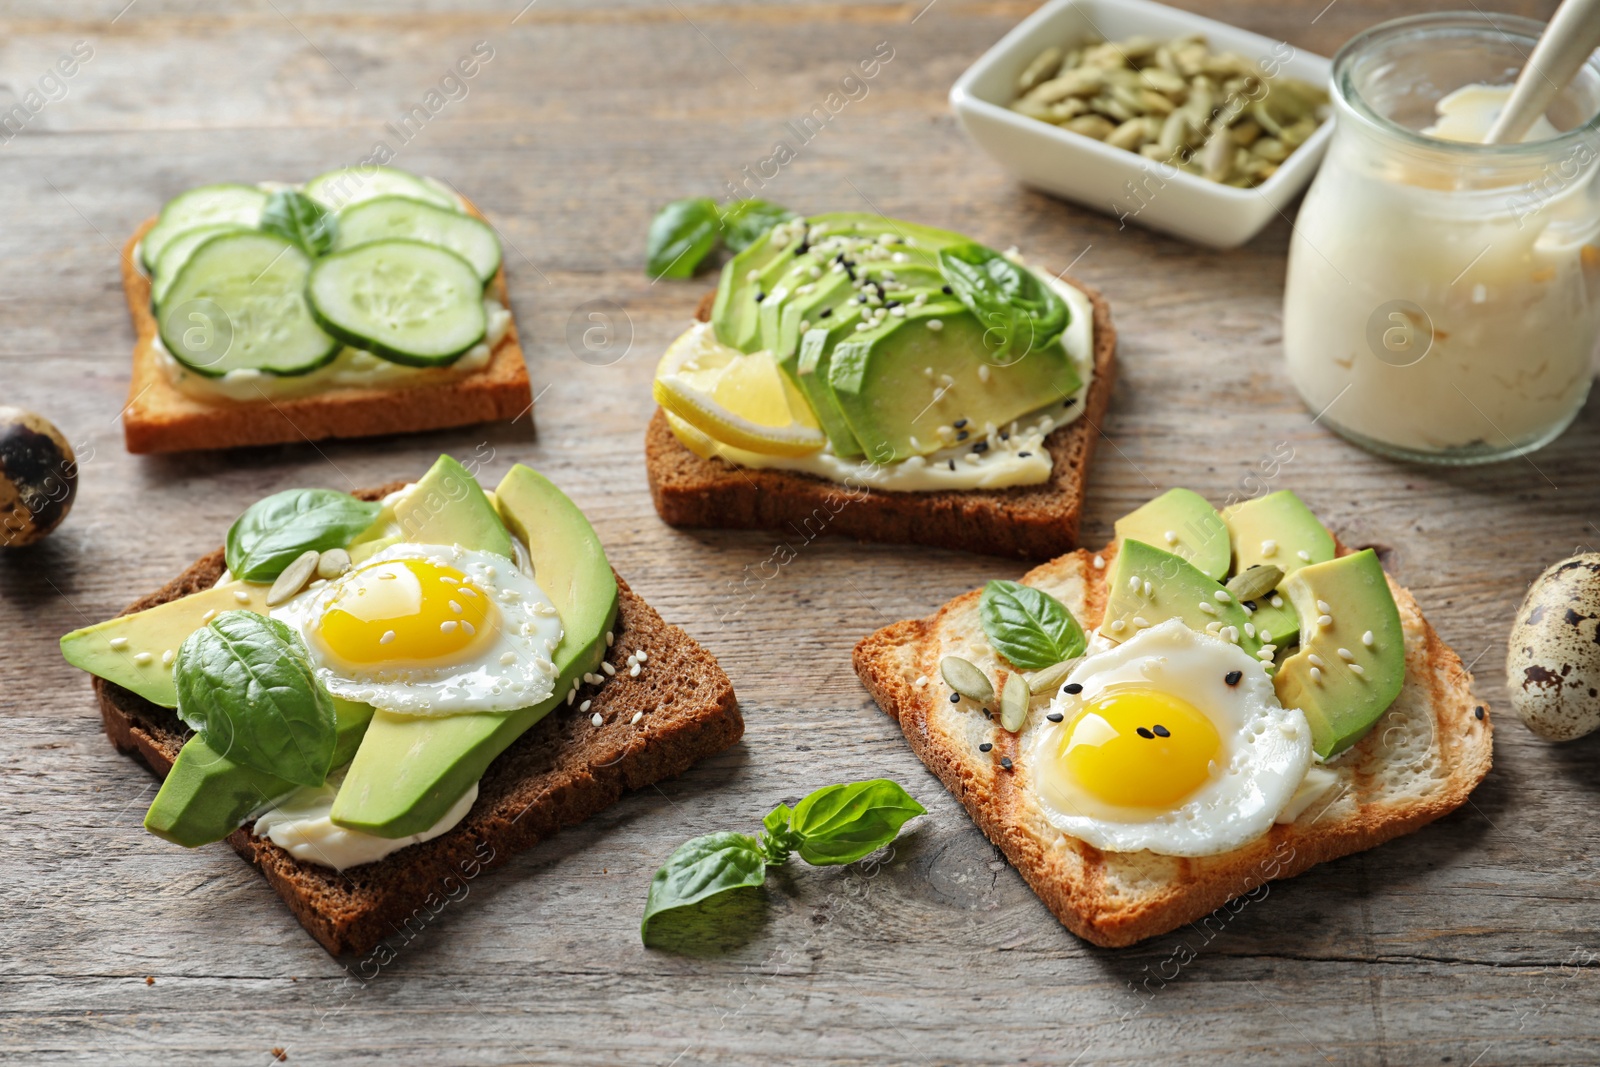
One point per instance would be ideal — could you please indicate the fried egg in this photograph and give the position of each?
(430, 630)
(1173, 741)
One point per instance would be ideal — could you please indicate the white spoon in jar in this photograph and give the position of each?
(1571, 35)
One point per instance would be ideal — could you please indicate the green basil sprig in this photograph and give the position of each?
(245, 686)
(834, 825)
(1020, 312)
(299, 219)
(272, 532)
(685, 232)
(1028, 626)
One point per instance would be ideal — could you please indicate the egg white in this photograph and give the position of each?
(513, 671)
(1266, 747)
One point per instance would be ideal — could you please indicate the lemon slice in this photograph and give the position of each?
(737, 399)
(701, 445)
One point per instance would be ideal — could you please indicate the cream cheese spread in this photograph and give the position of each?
(300, 824)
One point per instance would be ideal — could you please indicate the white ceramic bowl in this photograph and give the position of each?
(1123, 183)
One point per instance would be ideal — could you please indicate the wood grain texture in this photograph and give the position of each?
(1472, 941)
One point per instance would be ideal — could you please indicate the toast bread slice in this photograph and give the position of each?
(1031, 522)
(160, 417)
(1419, 762)
(563, 770)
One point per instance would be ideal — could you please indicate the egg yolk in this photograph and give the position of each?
(407, 611)
(1139, 748)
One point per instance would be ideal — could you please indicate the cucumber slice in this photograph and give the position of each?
(351, 185)
(208, 205)
(407, 301)
(385, 217)
(239, 303)
(177, 253)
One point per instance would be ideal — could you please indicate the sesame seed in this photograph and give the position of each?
(467, 590)
(760, 297)
(611, 638)
(507, 658)
(935, 325)
(1140, 621)
(448, 627)
(1358, 670)
(1145, 733)
(1322, 606)
(636, 717)
(1117, 626)
(1171, 536)
(986, 746)
(983, 373)
(1005, 761)
(945, 289)
(1208, 607)
(608, 668)
(467, 626)
(963, 435)
(981, 447)
(1161, 731)
(955, 698)
(1221, 596)
(455, 607)
(1478, 712)
(1249, 629)
(1316, 674)
(952, 464)
(643, 655)
(1314, 659)
(1265, 655)
(1303, 554)
(1133, 583)
(1099, 561)
(241, 596)
(1277, 601)
(1367, 639)
(1214, 627)
(570, 695)
(1055, 716)
(447, 579)
(633, 671)
(585, 705)
(119, 643)
(207, 617)
(1233, 634)
(1346, 655)
(1324, 620)
(1269, 549)
(596, 720)
(1264, 635)
(1072, 689)
(388, 636)
(1147, 588)
(167, 657)
(1233, 677)
(143, 658)
(921, 681)
(825, 313)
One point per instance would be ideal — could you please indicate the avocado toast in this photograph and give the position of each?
(1350, 724)
(872, 402)
(399, 808)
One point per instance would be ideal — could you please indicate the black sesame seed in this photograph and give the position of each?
(1146, 734)
(802, 249)
(862, 299)
(1072, 688)
(945, 289)
(825, 313)
(1248, 605)
(952, 464)
(1005, 761)
(963, 435)
(987, 714)
(1478, 711)
(760, 297)
(955, 698)
(1162, 731)
(1071, 400)
(1232, 677)
(892, 304)
(986, 746)
(1005, 435)
(1024, 455)
(981, 447)
(959, 423)
(1055, 716)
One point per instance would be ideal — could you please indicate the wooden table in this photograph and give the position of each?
(1471, 942)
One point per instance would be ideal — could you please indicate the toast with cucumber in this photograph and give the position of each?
(368, 301)
(375, 696)
(884, 380)
(1154, 732)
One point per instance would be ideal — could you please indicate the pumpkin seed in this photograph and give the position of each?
(1217, 159)
(1094, 126)
(293, 578)
(1015, 699)
(1253, 583)
(966, 679)
(1043, 68)
(332, 563)
(1051, 677)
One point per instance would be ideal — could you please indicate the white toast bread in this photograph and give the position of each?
(1419, 762)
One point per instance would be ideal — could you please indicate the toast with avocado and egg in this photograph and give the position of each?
(1250, 698)
(888, 381)
(373, 697)
(369, 301)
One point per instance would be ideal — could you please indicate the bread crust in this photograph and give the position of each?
(160, 417)
(563, 770)
(1117, 899)
(1031, 522)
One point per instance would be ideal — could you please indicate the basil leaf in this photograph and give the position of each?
(842, 823)
(681, 235)
(298, 218)
(245, 685)
(1028, 626)
(779, 840)
(744, 221)
(272, 532)
(1020, 311)
(703, 868)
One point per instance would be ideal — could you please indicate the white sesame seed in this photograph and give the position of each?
(143, 659)
(119, 643)
(643, 655)
(636, 717)
(467, 590)
(1277, 601)
(1214, 627)
(1367, 639)
(1303, 554)
(1346, 655)
(1117, 626)
(507, 658)
(1264, 656)
(241, 596)
(448, 627)
(1358, 670)
(1140, 621)
(1269, 647)
(596, 720)
(1269, 549)
(1207, 607)
(1315, 660)
(983, 370)
(455, 607)
(571, 693)
(1133, 583)
(467, 626)
(1171, 536)
(608, 668)
(1147, 588)
(585, 705)
(1233, 635)
(388, 636)
(1316, 675)
(1265, 637)
(1249, 629)
(935, 325)
(1324, 620)
(611, 638)
(1322, 606)
(633, 672)
(167, 657)
(1221, 596)
(921, 681)
(1099, 563)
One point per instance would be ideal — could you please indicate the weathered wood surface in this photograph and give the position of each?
(1471, 942)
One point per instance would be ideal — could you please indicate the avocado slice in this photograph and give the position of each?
(1177, 589)
(811, 374)
(445, 507)
(881, 380)
(207, 796)
(1198, 533)
(1341, 681)
(131, 650)
(1278, 529)
(409, 771)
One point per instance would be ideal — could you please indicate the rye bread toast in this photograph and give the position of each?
(1031, 522)
(1419, 762)
(557, 774)
(160, 417)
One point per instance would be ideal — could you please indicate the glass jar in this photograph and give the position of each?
(1443, 297)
